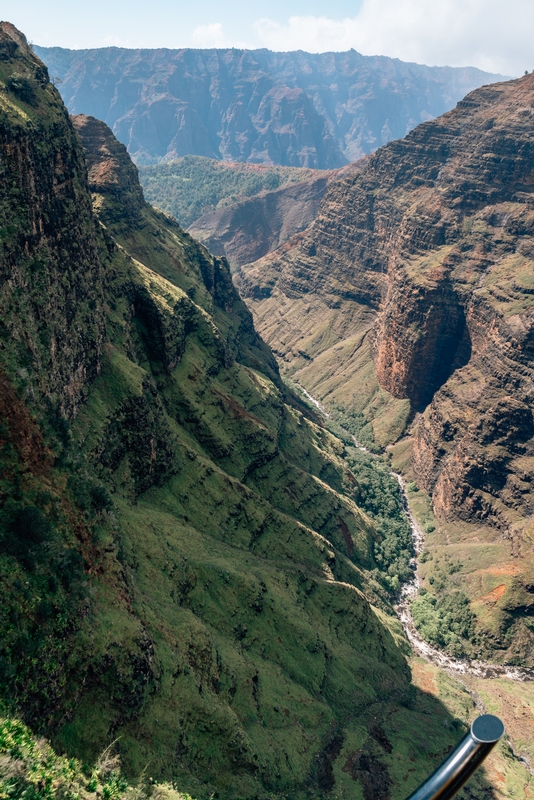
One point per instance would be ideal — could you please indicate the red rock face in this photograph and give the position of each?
(474, 444)
(295, 109)
(419, 338)
(435, 237)
(110, 168)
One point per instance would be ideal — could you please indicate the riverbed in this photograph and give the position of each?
(455, 666)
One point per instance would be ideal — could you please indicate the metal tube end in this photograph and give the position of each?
(487, 729)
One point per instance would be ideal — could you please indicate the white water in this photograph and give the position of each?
(316, 403)
(458, 666)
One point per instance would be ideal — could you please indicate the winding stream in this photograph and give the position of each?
(457, 666)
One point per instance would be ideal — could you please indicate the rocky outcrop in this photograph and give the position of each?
(296, 109)
(110, 169)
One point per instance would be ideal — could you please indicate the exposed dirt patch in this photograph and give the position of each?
(506, 569)
(371, 773)
(22, 430)
(239, 411)
(423, 676)
(380, 736)
(495, 594)
(495, 777)
(326, 758)
(346, 536)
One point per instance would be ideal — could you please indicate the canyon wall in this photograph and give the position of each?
(296, 109)
(433, 241)
(408, 305)
(49, 236)
(185, 568)
(250, 228)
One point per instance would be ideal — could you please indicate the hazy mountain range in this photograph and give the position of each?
(294, 109)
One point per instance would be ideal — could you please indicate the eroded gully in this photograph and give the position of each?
(456, 666)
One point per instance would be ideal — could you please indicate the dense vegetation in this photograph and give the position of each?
(445, 621)
(441, 611)
(380, 497)
(194, 185)
(30, 769)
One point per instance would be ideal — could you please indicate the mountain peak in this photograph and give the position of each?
(9, 30)
(110, 169)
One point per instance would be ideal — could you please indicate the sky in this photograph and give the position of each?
(494, 35)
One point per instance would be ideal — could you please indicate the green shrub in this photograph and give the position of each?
(446, 622)
(31, 770)
(24, 531)
(379, 496)
(22, 87)
(90, 495)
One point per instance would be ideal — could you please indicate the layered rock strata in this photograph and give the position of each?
(247, 230)
(412, 294)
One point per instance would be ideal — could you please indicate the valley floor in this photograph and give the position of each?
(468, 688)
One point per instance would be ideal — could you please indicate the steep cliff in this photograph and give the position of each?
(52, 310)
(296, 109)
(184, 567)
(412, 292)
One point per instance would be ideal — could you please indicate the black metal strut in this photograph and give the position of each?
(467, 756)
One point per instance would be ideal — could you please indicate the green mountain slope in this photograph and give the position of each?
(184, 566)
(192, 186)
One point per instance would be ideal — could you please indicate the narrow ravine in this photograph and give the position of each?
(456, 666)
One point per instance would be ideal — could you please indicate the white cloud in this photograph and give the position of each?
(313, 34)
(213, 35)
(490, 34)
(117, 41)
(209, 35)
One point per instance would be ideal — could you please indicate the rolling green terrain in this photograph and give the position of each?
(191, 186)
(187, 567)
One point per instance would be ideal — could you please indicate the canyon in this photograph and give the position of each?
(198, 570)
(406, 308)
(187, 571)
(250, 228)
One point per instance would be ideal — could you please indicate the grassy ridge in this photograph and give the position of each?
(192, 186)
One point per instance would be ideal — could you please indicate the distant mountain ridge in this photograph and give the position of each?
(294, 109)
